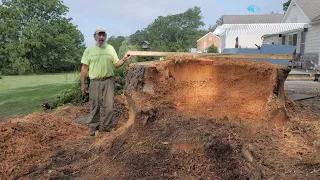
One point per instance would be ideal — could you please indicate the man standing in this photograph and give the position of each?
(99, 60)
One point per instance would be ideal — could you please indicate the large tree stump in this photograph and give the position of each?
(220, 88)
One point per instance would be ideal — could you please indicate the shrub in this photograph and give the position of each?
(212, 49)
(72, 95)
(119, 80)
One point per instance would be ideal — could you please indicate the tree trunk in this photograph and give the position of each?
(31, 61)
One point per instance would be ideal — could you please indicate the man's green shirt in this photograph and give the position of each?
(100, 60)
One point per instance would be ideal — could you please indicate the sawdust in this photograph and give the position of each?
(29, 141)
(171, 147)
(156, 138)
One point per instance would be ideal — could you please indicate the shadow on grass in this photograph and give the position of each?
(22, 101)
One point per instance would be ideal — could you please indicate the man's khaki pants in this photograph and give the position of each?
(101, 90)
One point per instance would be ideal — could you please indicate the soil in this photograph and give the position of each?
(157, 140)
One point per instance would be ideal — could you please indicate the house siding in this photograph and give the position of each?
(278, 40)
(313, 39)
(272, 39)
(222, 43)
(207, 41)
(295, 15)
(245, 41)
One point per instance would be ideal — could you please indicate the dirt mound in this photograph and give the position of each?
(180, 147)
(160, 136)
(37, 143)
(29, 141)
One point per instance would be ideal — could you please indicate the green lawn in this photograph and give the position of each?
(20, 95)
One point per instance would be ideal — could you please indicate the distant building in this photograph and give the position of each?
(244, 27)
(206, 41)
(306, 39)
(145, 45)
(299, 28)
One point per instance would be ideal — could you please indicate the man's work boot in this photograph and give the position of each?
(107, 129)
(92, 132)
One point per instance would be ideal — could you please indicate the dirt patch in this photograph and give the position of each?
(179, 147)
(170, 147)
(159, 136)
(120, 115)
(29, 141)
(48, 142)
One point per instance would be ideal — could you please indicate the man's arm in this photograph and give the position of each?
(84, 70)
(122, 61)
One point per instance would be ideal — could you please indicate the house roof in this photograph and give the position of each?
(311, 8)
(145, 42)
(207, 35)
(317, 18)
(252, 19)
(258, 29)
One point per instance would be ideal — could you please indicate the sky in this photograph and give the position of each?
(125, 17)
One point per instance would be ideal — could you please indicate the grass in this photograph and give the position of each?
(21, 95)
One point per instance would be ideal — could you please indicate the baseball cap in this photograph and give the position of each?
(100, 30)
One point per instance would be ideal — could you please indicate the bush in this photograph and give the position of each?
(72, 95)
(20, 66)
(119, 80)
(0, 77)
(212, 49)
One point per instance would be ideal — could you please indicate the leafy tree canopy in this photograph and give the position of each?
(36, 36)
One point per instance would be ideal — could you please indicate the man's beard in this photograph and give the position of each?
(100, 42)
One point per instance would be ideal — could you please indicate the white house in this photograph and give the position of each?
(235, 26)
(306, 40)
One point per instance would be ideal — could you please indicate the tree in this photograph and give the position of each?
(127, 46)
(138, 37)
(116, 42)
(286, 5)
(173, 33)
(219, 22)
(212, 49)
(37, 37)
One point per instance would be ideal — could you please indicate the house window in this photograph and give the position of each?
(210, 38)
(283, 40)
(290, 40)
(293, 38)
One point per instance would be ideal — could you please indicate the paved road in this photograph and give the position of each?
(307, 87)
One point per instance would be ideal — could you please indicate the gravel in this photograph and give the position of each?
(305, 87)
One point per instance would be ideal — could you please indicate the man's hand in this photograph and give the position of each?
(84, 70)
(83, 90)
(126, 57)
